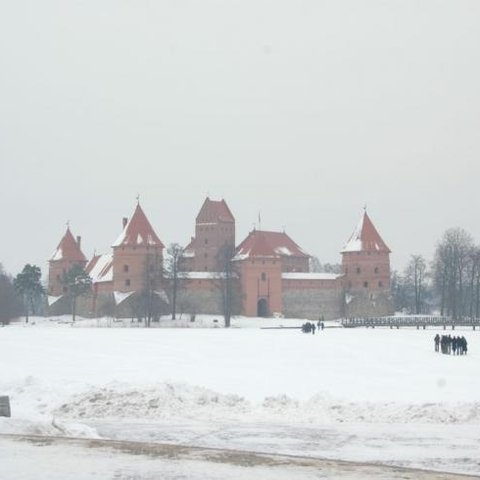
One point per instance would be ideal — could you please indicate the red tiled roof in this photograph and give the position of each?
(138, 231)
(268, 244)
(214, 211)
(100, 268)
(365, 238)
(68, 249)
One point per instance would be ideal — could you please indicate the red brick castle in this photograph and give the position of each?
(270, 273)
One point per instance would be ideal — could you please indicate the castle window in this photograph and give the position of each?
(376, 270)
(380, 284)
(365, 284)
(65, 289)
(346, 270)
(127, 282)
(358, 270)
(264, 276)
(125, 268)
(58, 277)
(206, 241)
(206, 269)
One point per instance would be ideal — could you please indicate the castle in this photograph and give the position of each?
(269, 273)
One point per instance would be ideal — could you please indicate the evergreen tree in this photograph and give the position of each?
(9, 303)
(78, 283)
(28, 285)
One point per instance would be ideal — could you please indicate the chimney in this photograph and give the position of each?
(124, 222)
(79, 241)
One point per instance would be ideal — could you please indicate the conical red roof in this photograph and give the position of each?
(138, 231)
(365, 238)
(68, 249)
(214, 211)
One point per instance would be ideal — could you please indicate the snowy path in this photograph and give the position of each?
(453, 448)
(30, 458)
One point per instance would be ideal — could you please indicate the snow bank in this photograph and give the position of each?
(183, 402)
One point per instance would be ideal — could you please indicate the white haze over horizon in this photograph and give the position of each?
(303, 110)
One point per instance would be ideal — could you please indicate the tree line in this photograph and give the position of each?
(449, 284)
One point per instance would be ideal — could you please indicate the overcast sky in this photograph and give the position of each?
(304, 110)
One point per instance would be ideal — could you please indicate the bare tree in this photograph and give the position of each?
(415, 276)
(173, 273)
(474, 282)
(399, 289)
(149, 303)
(318, 267)
(226, 283)
(450, 271)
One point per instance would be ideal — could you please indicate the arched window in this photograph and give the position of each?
(365, 284)
(264, 276)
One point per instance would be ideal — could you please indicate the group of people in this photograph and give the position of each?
(310, 327)
(448, 344)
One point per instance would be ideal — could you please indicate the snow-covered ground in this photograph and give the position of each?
(354, 394)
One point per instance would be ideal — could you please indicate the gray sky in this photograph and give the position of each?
(304, 110)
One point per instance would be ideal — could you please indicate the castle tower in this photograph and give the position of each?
(366, 268)
(260, 261)
(137, 254)
(67, 254)
(214, 230)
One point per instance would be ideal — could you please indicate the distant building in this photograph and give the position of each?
(270, 272)
(67, 254)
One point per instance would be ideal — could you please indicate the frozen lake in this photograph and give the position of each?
(362, 395)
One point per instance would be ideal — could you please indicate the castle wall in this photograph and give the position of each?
(56, 271)
(313, 299)
(205, 296)
(132, 264)
(360, 303)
